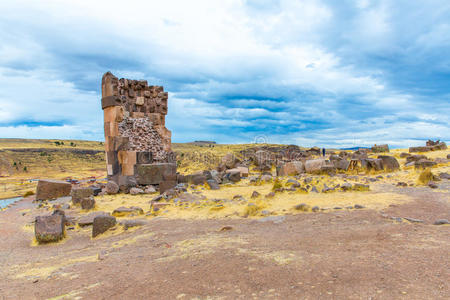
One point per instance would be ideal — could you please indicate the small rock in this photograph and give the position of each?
(274, 219)
(412, 220)
(315, 208)
(432, 185)
(293, 183)
(402, 184)
(270, 195)
(124, 211)
(226, 228)
(213, 185)
(441, 222)
(314, 190)
(102, 223)
(133, 223)
(302, 207)
(266, 178)
(255, 194)
(112, 188)
(136, 191)
(444, 176)
(359, 206)
(150, 189)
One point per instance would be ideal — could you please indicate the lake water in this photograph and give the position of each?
(5, 202)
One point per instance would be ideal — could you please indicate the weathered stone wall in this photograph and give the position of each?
(134, 124)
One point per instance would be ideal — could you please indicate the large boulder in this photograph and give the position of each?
(88, 219)
(49, 228)
(390, 163)
(197, 178)
(314, 165)
(111, 188)
(415, 157)
(292, 168)
(229, 160)
(147, 174)
(102, 223)
(80, 193)
(52, 189)
(424, 163)
(233, 175)
(372, 164)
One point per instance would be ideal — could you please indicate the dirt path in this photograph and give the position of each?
(345, 254)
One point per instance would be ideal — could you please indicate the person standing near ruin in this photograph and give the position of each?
(323, 152)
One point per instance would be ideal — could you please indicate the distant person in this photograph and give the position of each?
(323, 152)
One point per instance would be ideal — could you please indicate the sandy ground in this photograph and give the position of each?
(336, 254)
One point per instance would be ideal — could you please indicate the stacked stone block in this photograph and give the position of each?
(135, 134)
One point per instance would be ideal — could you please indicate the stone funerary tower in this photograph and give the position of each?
(137, 142)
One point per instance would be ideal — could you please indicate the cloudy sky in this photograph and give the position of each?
(306, 72)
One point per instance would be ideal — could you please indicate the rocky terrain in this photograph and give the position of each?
(253, 222)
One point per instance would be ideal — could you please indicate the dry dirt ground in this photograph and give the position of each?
(337, 254)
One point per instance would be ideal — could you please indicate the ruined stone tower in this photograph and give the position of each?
(137, 143)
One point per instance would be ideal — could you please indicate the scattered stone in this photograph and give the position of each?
(80, 193)
(96, 190)
(156, 206)
(444, 176)
(270, 195)
(133, 223)
(150, 189)
(412, 220)
(255, 194)
(291, 168)
(226, 228)
(102, 223)
(88, 203)
(389, 163)
(423, 164)
(402, 184)
(359, 206)
(346, 186)
(213, 185)
(89, 219)
(441, 222)
(136, 191)
(361, 187)
(307, 180)
(337, 207)
(49, 228)
(111, 188)
(293, 183)
(125, 211)
(233, 175)
(274, 219)
(302, 207)
(52, 189)
(315, 209)
(166, 186)
(314, 165)
(432, 185)
(265, 212)
(314, 190)
(266, 178)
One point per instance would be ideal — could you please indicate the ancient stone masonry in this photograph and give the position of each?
(135, 134)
